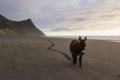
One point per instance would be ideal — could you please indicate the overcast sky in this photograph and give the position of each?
(67, 17)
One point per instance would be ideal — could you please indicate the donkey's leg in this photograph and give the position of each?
(74, 58)
(80, 59)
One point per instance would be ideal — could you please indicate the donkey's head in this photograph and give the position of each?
(82, 42)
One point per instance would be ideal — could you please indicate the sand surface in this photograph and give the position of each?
(31, 59)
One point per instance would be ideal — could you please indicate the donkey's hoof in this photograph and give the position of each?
(82, 53)
(73, 63)
(80, 66)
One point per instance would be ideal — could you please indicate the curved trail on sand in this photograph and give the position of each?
(63, 53)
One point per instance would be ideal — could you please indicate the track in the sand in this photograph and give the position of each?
(63, 53)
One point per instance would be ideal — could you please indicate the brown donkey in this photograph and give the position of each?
(76, 48)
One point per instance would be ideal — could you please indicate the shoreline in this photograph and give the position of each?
(91, 37)
(117, 40)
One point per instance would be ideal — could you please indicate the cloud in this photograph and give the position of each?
(60, 29)
(64, 15)
(79, 19)
(98, 20)
(20, 9)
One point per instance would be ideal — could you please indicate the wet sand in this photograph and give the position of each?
(31, 58)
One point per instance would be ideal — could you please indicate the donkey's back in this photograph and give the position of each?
(74, 46)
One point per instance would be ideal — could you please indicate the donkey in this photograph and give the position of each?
(76, 48)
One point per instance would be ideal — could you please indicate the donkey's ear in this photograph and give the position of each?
(85, 38)
(80, 38)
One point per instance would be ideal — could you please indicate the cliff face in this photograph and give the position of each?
(25, 27)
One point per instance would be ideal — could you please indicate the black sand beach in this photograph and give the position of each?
(29, 58)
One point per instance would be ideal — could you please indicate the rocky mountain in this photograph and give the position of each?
(25, 27)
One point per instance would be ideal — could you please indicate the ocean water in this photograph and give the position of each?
(109, 38)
